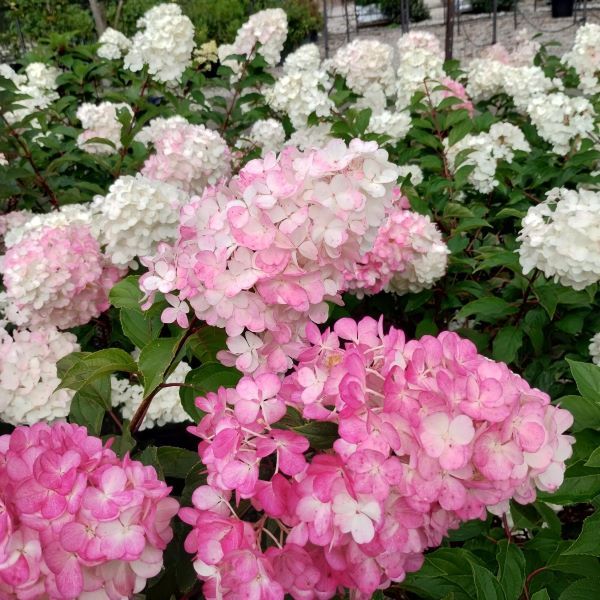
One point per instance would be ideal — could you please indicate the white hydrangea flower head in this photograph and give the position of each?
(584, 57)
(113, 44)
(135, 215)
(157, 128)
(305, 58)
(165, 407)
(422, 40)
(3, 160)
(38, 83)
(561, 120)
(485, 78)
(317, 136)
(374, 98)
(537, 84)
(394, 124)
(561, 237)
(190, 157)
(364, 63)
(415, 172)
(100, 121)
(594, 348)
(299, 94)
(414, 70)
(28, 375)
(486, 150)
(269, 28)
(23, 222)
(267, 134)
(164, 43)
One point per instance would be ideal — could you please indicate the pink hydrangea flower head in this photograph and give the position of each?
(57, 276)
(262, 254)
(456, 89)
(429, 434)
(75, 520)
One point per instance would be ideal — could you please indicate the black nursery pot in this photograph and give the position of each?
(562, 8)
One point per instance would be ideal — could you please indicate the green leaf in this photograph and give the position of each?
(86, 413)
(206, 342)
(486, 585)
(126, 293)
(92, 366)
(140, 327)
(458, 132)
(548, 297)
(507, 343)
(149, 457)
(586, 413)
(594, 459)
(121, 444)
(156, 360)
(588, 541)
(487, 308)
(541, 595)
(582, 589)
(362, 120)
(575, 488)
(206, 378)
(195, 478)
(177, 462)
(319, 434)
(511, 571)
(587, 378)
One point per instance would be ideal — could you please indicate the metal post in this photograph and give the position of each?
(449, 29)
(457, 11)
(21, 38)
(515, 13)
(404, 15)
(584, 11)
(325, 32)
(495, 21)
(347, 17)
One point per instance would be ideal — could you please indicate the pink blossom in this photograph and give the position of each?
(74, 519)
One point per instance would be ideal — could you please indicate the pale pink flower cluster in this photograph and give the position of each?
(455, 89)
(430, 434)
(584, 57)
(100, 121)
(266, 251)
(522, 54)
(57, 276)
(264, 33)
(28, 375)
(76, 522)
(409, 255)
(189, 157)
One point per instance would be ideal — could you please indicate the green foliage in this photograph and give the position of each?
(486, 6)
(417, 10)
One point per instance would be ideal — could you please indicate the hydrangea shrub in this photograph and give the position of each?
(277, 326)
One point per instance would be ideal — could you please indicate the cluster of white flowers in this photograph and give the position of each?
(428, 263)
(393, 124)
(561, 120)
(264, 33)
(302, 89)
(188, 156)
(364, 64)
(594, 349)
(584, 57)
(561, 237)
(18, 223)
(3, 160)
(38, 83)
(267, 134)
(28, 375)
(113, 44)
(100, 121)
(419, 58)
(485, 78)
(415, 172)
(165, 43)
(486, 150)
(135, 215)
(165, 407)
(311, 137)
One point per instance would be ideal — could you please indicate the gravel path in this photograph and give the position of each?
(475, 31)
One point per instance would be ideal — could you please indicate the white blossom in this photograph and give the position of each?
(135, 215)
(561, 120)
(165, 407)
(594, 348)
(113, 44)
(100, 121)
(165, 43)
(28, 375)
(584, 57)
(267, 134)
(305, 58)
(561, 237)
